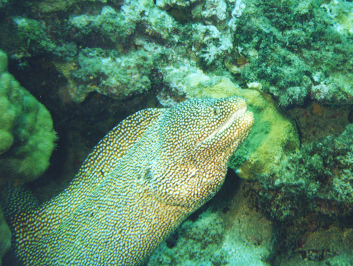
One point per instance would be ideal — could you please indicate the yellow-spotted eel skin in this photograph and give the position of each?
(139, 183)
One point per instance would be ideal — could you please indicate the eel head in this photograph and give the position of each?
(197, 138)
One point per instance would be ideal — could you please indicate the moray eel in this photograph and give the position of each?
(139, 183)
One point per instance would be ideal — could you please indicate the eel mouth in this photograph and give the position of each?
(238, 114)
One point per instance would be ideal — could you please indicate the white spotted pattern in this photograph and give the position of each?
(138, 184)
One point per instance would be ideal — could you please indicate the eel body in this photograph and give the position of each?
(139, 183)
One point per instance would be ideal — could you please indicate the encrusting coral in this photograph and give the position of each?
(26, 131)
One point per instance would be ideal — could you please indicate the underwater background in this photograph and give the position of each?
(70, 70)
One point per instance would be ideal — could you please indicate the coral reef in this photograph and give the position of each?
(215, 9)
(29, 38)
(319, 175)
(309, 60)
(26, 131)
(310, 196)
(315, 121)
(288, 56)
(94, 62)
(107, 73)
(123, 24)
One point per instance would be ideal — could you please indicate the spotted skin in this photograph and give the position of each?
(139, 183)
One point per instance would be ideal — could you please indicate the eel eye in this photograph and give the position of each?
(216, 111)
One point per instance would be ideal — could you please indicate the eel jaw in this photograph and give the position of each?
(225, 139)
(235, 116)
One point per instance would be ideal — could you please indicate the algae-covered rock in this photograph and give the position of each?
(272, 136)
(26, 131)
(319, 39)
(112, 74)
(32, 36)
(317, 177)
